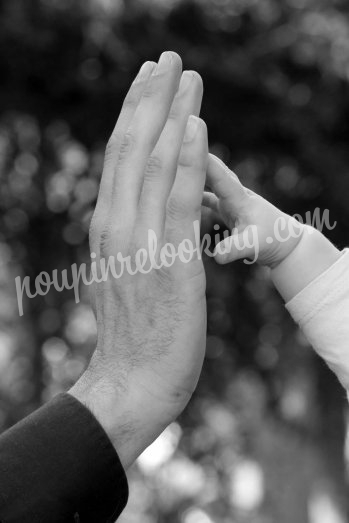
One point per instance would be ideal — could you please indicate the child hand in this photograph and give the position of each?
(259, 230)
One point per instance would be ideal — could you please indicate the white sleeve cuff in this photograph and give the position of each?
(322, 311)
(322, 291)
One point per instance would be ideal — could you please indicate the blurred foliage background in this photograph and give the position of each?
(264, 439)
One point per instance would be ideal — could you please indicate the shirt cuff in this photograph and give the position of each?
(58, 464)
(321, 292)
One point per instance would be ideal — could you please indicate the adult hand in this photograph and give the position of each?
(151, 327)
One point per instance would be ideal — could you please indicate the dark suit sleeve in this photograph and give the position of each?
(58, 465)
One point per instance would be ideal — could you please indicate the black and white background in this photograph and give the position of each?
(264, 438)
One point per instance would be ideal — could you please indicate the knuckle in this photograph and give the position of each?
(150, 90)
(126, 145)
(176, 208)
(110, 148)
(186, 158)
(105, 241)
(134, 246)
(132, 98)
(153, 167)
(174, 113)
(113, 144)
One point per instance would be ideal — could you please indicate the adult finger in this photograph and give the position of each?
(184, 203)
(161, 168)
(142, 135)
(129, 106)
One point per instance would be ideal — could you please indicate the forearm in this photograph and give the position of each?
(314, 281)
(313, 255)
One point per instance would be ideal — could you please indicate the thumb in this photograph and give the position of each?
(237, 246)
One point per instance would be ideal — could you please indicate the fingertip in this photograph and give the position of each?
(196, 79)
(145, 71)
(195, 126)
(217, 163)
(203, 125)
(215, 169)
(214, 158)
(209, 199)
(202, 135)
(151, 65)
(176, 60)
(221, 259)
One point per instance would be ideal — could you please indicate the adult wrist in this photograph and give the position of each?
(120, 414)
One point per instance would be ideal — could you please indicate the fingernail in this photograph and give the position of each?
(145, 70)
(185, 81)
(191, 128)
(164, 63)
